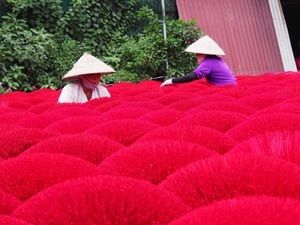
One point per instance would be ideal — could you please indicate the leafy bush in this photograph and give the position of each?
(97, 21)
(38, 57)
(119, 76)
(38, 43)
(38, 13)
(63, 53)
(24, 51)
(180, 35)
(146, 53)
(170, 7)
(15, 79)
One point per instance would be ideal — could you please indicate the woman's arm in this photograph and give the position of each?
(183, 79)
(186, 78)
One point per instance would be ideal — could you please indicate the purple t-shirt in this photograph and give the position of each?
(215, 71)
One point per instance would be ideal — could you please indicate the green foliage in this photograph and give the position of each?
(97, 21)
(4, 9)
(170, 7)
(39, 43)
(180, 35)
(21, 43)
(38, 13)
(22, 50)
(121, 75)
(62, 55)
(16, 79)
(42, 57)
(146, 53)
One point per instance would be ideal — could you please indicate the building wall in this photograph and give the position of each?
(243, 28)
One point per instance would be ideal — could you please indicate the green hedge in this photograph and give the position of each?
(39, 42)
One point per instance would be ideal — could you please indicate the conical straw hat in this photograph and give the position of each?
(205, 45)
(88, 64)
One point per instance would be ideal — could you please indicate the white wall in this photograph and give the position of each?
(282, 36)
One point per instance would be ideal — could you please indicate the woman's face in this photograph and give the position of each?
(93, 78)
(200, 57)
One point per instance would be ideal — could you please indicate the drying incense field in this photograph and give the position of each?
(191, 154)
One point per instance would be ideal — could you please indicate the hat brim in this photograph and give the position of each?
(205, 45)
(85, 65)
(77, 75)
(220, 53)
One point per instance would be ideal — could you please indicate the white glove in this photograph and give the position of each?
(167, 82)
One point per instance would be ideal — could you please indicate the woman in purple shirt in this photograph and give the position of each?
(211, 66)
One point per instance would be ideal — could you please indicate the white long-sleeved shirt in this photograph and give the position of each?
(73, 93)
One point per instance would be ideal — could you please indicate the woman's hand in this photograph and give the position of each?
(167, 82)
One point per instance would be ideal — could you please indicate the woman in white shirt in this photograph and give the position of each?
(85, 77)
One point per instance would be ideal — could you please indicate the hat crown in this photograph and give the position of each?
(205, 45)
(88, 64)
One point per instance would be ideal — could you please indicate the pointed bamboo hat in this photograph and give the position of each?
(205, 45)
(88, 64)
